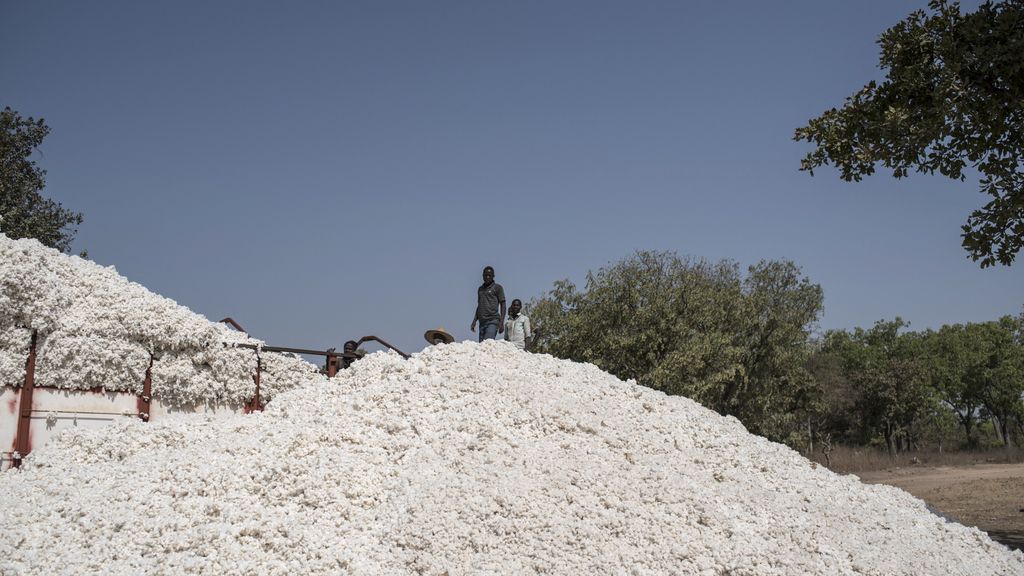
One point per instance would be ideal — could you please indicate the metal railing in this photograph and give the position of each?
(22, 439)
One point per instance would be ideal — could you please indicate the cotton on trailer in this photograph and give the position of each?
(82, 346)
(465, 459)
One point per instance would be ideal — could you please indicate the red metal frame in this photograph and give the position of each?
(231, 322)
(382, 341)
(145, 401)
(256, 404)
(22, 440)
(332, 363)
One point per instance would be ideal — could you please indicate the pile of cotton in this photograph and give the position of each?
(465, 459)
(97, 330)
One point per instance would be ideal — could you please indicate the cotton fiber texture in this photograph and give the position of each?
(465, 459)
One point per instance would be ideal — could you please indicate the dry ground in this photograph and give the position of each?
(989, 496)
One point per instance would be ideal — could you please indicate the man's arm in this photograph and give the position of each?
(527, 332)
(501, 321)
(501, 302)
(472, 327)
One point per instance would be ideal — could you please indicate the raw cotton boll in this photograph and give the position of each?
(470, 459)
(76, 362)
(97, 329)
(14, 348)
(32, 293)
(161, 322)
(220, 333)
(208, 377)
(233, 368)
(281, 372)
(176, 379)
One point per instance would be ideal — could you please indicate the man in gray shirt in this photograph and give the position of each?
(490, 296)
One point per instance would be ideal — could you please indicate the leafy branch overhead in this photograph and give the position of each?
(24, 213)
(953, 103)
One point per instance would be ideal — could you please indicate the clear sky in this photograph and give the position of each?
(325, 170)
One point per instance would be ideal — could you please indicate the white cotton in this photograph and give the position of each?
(14, 348)
(280, 372)
(465, 459)
(90, 361)
(98, 330)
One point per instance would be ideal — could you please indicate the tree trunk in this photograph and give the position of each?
(810, 438)
(998, 429)
(890, 439)
(968, 424)
(1004, 429)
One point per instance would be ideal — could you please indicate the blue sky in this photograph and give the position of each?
(325, 170)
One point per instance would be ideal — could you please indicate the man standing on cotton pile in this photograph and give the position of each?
(489, 296)
(517, 327)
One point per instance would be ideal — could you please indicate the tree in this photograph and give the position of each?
(1002, 373)
(953, 97)
(833, 410)
(736, 344)
(885, 366)
(954, 355)
(24, 213)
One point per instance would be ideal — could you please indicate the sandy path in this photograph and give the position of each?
(989, 496)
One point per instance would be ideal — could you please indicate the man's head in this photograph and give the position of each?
(488, 275)
(515, 307)
(350, 346)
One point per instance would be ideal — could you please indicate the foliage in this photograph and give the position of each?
(954, 354)
(24, 213)
(884, 365)
(952, 101)
(735, 343)
(1001, 373)
(899, 387)
(740, 342)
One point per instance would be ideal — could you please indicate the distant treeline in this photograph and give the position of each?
(743, 343)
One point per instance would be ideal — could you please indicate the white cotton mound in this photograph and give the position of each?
(96, 329)
(466, 459)
(14, 348)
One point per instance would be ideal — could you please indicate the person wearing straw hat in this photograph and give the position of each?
(438, 336)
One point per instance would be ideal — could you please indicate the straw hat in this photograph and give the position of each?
(433, 336)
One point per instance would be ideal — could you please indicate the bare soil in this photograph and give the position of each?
(989, 496)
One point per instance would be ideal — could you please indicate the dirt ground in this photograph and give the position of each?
(989, 496)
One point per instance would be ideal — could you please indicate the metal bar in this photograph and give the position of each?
(121, 413)
(376, 339)
(22, 441)
(231, 322)
(327, 353)
(256, 404)
(145, 400)
(94, 389)
(291, 350)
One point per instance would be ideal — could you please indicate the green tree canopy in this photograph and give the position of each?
(889, 384)
(955, 354)
(952, 101)
(734, 342)
(885, 365)
(1002, 373)
(24, 213)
